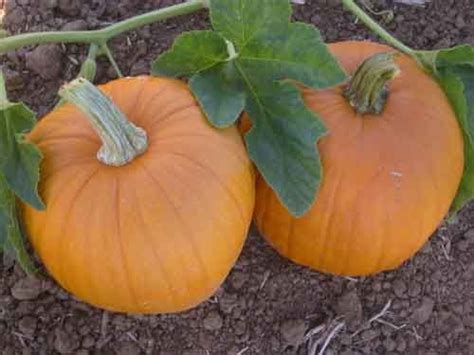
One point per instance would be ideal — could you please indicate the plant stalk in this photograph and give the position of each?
(379, 30)
(110, 57)
(103, 35)
(367, 91)
(3, 89)
(122, 140)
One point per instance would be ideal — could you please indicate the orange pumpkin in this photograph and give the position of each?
(157, 234)
(388, 178)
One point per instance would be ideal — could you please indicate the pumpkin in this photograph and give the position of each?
(389, 178)
(139, 227)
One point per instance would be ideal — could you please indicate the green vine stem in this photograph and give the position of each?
(110, 57)
(89, 67)
(122, 140)
(367, 91)
(3, 89)
(101, 36)
(379, 30)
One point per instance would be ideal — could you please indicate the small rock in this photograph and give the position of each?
(346, 339)
(350, 352)
(88, 342)
(213, 321)
(462, 245)
(26, 289)
(401, 344)
(349, 306)
(427, 248)
(77, 25)
(13, 80)
(238, 279)
(377, 286)
(140, 49)
(65, 343)
(140, 68)
(460, 23)
(239, 327)
(227, 302)
(332, 3)
(128, 348)
(469, 235)
(399, 288)
(414, 290)
(450, 323)
(16, 17)
(205, 340)
(442, 43)
(48, 4)
(27, 325)
(423, 312)
(293, 331)
(62, 295)
(458, 308)
(469, 272)
(111, 73)
(192, 352)
(46, 61)
(469, 321)
(389, 344)
(69, 7)
(369, 334)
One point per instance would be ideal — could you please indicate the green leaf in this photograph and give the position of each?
(454, 70)
(220, 93)
(19, 160)
(282, 143)
(295, 52)
(266, 56)
(241, 20)
(192, 52)
(6, 200)
(11, 237)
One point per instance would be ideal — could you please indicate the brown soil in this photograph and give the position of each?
(267, 305)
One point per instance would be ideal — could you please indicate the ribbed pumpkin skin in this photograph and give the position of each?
(157, 235)
(388, 180)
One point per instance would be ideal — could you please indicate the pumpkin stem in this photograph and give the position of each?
(122, 140)
(367, 91)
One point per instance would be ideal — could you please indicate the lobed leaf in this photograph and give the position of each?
(297, 52)
(19, 175)
(11, 237)
(239, 21)
(266, 54)
(282, 142)
(191, 53)
(19, 159)
(454, 70)
(219, 91)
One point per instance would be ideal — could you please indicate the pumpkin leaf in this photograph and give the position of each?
(454, 70)
(11, 237)
(5, 211)
(265, 55)
(239, 21)
(295, 52)
(19, 159)
(282, 142)
(19, 175)
(220, 93)
(191, 53)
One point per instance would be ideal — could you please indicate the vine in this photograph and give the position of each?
(241, 64)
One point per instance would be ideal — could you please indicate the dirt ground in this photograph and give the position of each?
(267, 305)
